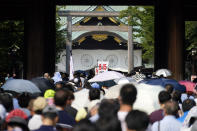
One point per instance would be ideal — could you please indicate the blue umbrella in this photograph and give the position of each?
(163, 82)
(20, 85)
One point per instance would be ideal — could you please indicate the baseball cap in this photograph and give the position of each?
(50, 109)
(16, 113)
(95, 85)
(49, 93)
(39, 104)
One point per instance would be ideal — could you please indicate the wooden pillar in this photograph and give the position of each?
(68, 43)
(176, 40)
(130, 50)
(169, 37)
(40, 38)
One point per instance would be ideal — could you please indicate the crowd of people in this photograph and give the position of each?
(56, 109)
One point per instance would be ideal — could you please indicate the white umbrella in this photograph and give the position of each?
(81, 99)
(125, 80)
(105, 76)
(147, 97)
(164, 72)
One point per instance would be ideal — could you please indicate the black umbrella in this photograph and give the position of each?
(43, 84)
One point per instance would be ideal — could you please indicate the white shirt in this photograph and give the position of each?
(121, 116)
(35, 122)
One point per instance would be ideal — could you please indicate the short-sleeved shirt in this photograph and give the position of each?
(156, 116)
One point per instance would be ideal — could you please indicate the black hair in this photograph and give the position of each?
(6, 100)
(112, 124)
(87, 85)
(176, 96)
(169, 88)
(69, 87)
(50, 115)
(70, 95)
(23, 99)
(85, 125)
(137, 120)
(60, 97)
(195, 80)
(94, 94)
(110, 106)
(128, 94)
(188, 104)
(60, 83)
(38, 112)
(164, 96)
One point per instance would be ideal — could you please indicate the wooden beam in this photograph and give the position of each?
(105, 2)
(90, 14)
(100, 28)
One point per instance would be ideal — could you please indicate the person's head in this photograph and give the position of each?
(14, 75)
(85, 125)
(137, 121)
(16, 113)
(112, 124)
(169, 88)
(23, 99)
(69, 87)
(39, 104)
(188, 104)
(87, 85)
(195, 80)
(176, 96)
(77, 82)
(49, 93)
(164, 96)
(6, 100)
(17, 124)
(61, 97)
(8, 75)
(46, 75)
(71, 97)
(171, 108)
(59, 85)
(110, 106)
(50, 115)
(94, 94)
(128, 94)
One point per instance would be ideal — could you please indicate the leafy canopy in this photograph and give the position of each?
(142, 20)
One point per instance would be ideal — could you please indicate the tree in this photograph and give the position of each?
(190, 36)
(142, 20)
(11, 45)
(60, 37)
(12, 36)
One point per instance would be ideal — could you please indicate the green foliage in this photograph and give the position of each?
(142, 20)
(11, 37)
(60, 37)
(191, 35)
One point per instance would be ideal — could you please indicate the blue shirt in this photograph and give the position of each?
(46, 128)
(182, 118)
(65, 118)
(168, 123)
